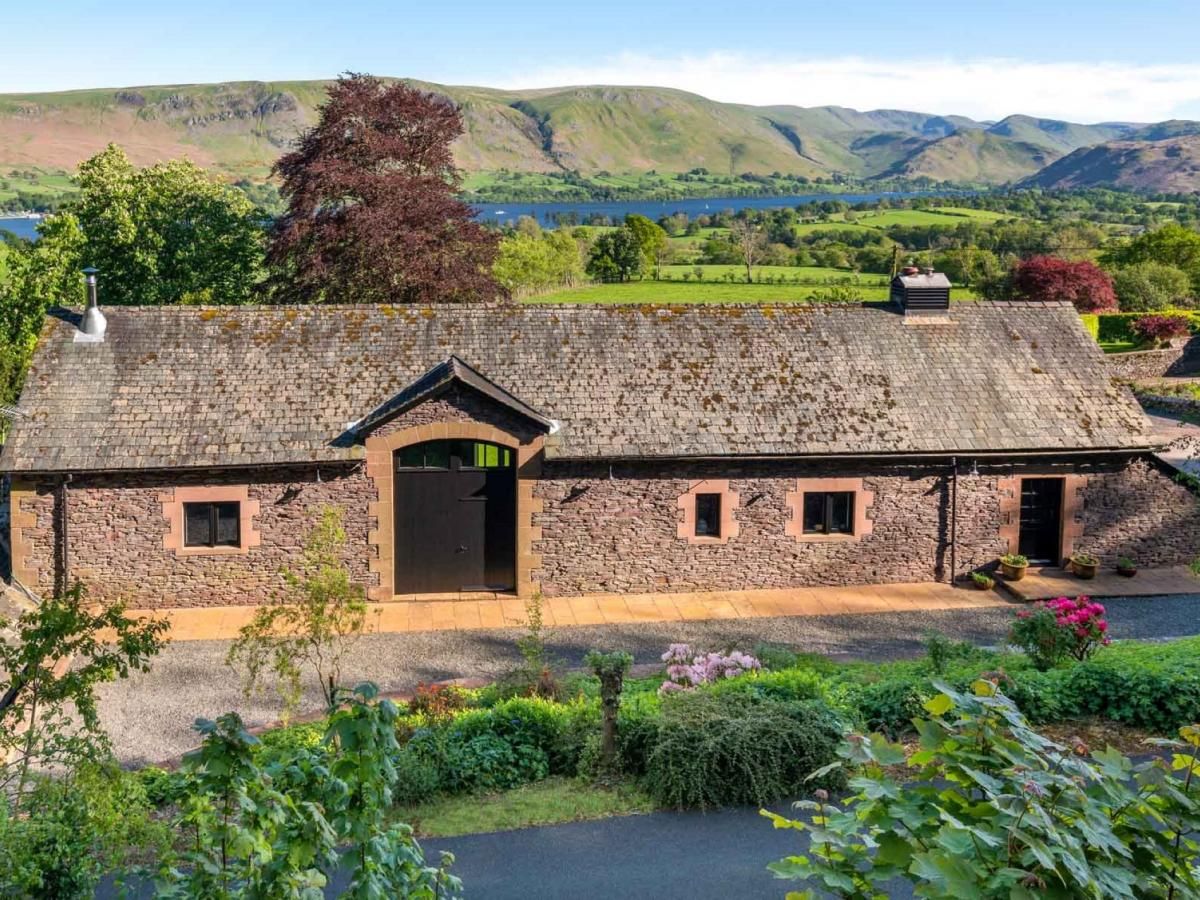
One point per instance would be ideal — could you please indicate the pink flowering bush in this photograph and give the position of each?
(686, 669)
(1052, 631)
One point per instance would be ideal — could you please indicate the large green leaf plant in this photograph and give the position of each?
(989, 808)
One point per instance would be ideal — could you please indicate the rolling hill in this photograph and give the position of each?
(240, 128)
(1167, 166)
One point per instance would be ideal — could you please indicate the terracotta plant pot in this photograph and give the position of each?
(1128, 572)
(984, 585)
(1012, 573)
(1086, 571)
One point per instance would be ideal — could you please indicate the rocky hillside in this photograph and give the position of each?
(1168, 166)
(240, 128)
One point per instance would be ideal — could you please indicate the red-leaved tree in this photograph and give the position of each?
(1050, 278)
(372, 214)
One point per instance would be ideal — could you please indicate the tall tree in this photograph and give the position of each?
(1051, 278)
(750, 241)
(372, 214)
(1173, 245)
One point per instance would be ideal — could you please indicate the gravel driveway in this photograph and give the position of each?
(149, 716)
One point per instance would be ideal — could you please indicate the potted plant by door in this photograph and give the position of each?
(1013, 566)
(1126, 567)
(983, 581)
(1084, 565)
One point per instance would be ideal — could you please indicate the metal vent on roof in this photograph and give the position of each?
(921, 291)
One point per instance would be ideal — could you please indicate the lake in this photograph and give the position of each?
(21, 227)
(508, 213)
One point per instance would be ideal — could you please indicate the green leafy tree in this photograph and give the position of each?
(1173, 245)
(312, 626)
(651, 238)
(161, 234)
(531, 262)
(273, 829)
(164, 231)
(616, 256)
(48, 679)
(995, 811)
(1151, 286)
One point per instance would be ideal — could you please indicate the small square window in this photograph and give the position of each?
(708, 515)
(212, 524)
(829, 512)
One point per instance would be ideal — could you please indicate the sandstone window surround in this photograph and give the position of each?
(863, 499)
(728, 502)
(173, 511)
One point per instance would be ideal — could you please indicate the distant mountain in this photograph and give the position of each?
(240, 128)
(1167, 166)
(977, 156)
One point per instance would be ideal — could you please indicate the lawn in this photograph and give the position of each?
(545, 802)
(635, 292)
(806, 274)
(694, 292)
(948, 216)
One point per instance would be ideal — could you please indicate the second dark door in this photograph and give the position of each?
(1041, 520)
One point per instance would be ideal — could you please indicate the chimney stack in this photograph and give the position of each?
(93, 325)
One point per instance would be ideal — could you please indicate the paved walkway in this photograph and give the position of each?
(1046, 583)
(223, 622)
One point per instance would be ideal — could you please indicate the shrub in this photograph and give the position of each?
(71, 831)
(775, 658)
(997, 810)
(161, 787)
(1159, 329)
(714, 750)
(1145, 687)
(1151, 287)
(438, 701)
(490, 763)
(686, 668)
(1055, 630)
(417, 778)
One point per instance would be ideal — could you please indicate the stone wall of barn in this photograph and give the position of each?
(617, 530)
(597, 528)
(116, 528)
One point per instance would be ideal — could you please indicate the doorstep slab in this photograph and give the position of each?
(1050, 582)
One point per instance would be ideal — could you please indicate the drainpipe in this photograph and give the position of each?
(953, 519)
(66, 553)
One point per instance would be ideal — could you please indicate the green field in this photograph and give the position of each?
(635, 292)
(804, 274)
(949, 216)
(34, 182)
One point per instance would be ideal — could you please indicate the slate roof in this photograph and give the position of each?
(192, 386)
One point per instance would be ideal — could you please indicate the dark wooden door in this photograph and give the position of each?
(1041, 520)
(455, 527)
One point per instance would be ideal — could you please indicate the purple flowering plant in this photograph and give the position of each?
(687, 668)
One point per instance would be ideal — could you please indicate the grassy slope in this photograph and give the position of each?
(977, 157)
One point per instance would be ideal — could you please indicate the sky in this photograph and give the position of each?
(1083, 61)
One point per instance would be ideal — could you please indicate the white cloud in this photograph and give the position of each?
(981, 88)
